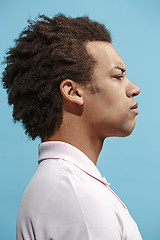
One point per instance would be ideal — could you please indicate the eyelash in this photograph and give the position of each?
(119, 77)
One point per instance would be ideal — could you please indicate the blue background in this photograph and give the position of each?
(131, 164)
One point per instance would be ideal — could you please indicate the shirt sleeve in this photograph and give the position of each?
(65, 215)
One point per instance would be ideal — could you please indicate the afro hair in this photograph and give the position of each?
(48, 51)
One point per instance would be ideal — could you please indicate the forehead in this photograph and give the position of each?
(105, 55)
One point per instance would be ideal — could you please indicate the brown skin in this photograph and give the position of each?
(90, 118)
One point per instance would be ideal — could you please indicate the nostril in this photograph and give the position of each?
(136, 92)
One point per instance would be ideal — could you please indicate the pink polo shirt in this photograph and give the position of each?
(68, 199)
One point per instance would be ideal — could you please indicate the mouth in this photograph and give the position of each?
(134, 108)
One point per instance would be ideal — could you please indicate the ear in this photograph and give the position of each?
(71, 91)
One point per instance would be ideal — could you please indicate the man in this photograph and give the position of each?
(68, 86)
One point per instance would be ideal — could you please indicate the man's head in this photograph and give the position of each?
(106, 106)
(112, 109)
(46, 53)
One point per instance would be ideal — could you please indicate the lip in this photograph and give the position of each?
(134, 108)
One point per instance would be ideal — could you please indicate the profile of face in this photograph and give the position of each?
(111, 111)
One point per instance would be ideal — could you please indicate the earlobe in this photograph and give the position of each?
(71, 91)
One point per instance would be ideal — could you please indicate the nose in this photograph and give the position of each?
(132, 90)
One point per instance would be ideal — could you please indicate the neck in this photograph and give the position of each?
(80, 137)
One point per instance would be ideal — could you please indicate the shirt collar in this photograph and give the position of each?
(65, 151)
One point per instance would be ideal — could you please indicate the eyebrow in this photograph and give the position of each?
(120, 68)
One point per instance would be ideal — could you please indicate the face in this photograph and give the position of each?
(109, 112)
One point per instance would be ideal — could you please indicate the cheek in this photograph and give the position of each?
(107, 106)
(116, 110)
(114, 98)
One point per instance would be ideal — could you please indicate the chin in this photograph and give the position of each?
(121, 130)
(126, 131)
(125, 134)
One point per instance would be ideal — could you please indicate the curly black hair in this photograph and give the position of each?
(48, 51)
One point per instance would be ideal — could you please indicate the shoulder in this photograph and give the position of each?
(50, 176)
(63, 199)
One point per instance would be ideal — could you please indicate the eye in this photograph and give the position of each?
(120, 77)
